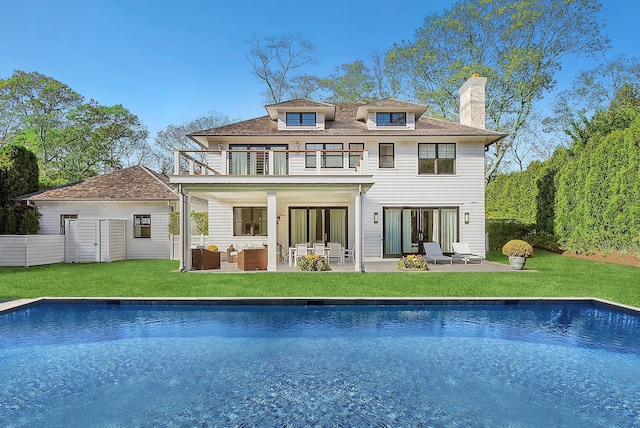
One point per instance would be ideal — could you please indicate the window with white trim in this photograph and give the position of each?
(436, 158)
(301, 119)
(142, 226)
(391, 119)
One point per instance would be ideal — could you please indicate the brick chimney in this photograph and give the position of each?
(472, 102)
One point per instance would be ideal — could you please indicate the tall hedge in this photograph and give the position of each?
(512, 197)
(598, 196)
(18, 176)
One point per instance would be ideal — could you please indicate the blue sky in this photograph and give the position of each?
(172, 61)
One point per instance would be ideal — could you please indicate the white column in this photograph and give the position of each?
(272, 232)
(185, 238)
(357, 251)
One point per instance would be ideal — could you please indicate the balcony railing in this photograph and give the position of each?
(270, 162)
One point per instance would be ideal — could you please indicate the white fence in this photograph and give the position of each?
(31, 250)
(196, 241)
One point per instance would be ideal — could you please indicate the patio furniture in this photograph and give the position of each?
(232, 254)
(433, 253)
(253, 259)
(318, 249)
(203, 259)
(336, 252)
(462, 251)
(300, 250)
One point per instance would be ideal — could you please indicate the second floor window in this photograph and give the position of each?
(391, 119)
(301, 119)
(386, 158)
(329, 159)
(436, 158)
(250, 221)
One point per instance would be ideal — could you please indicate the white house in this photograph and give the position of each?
(129, 207)
(379, 178)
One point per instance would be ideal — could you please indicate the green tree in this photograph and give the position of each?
(71, 138)
(18, 176)
(591, 90)
(598, 188)
(352, 82)
(517, 44)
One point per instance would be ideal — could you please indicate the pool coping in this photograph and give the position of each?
(16, 305)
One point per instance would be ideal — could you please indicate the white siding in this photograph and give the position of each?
(156, 247)
(31, 250)
(117, 245)
(403, 186)
(400, 186)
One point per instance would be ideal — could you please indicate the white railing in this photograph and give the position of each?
(270, 162)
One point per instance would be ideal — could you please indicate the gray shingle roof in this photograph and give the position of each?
(345, 124)
(137, 183)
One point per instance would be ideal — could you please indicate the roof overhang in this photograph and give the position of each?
(363, 110)
(328, 110)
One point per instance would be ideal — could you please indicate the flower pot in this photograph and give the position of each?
(516, 262)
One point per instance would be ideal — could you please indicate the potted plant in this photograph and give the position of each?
(517, 250)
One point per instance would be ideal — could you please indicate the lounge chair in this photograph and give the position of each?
(462, 251)
(433, 253)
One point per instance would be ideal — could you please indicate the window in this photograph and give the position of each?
(64, 217)
(354, 157)
(329, 159)
(386, 156)
(391, 119)
(253, 159)
(318, 224)
(142, 226)
(250, 221)
(436, 158)
(301, 119)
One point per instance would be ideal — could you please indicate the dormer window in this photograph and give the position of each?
(301, 119)
(391, 119)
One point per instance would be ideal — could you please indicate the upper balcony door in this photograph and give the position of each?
(253, 159)
(405, 229)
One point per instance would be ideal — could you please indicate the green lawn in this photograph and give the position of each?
(555, 276)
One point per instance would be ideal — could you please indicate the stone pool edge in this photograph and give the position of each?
(16, 305)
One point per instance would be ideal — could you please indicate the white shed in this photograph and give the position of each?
(94, 240)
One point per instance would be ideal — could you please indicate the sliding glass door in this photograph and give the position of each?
(405, 229)
(317, 224)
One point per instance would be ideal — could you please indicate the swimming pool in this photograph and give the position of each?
(449, 364)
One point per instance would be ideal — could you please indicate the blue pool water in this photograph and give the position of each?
(560, 365)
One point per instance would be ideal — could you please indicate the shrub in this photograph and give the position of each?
(543, 240)
(413, 261)
(502, 231)
(212, 247)
(517, 248)
(313, 262)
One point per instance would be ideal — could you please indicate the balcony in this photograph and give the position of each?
(255, 163)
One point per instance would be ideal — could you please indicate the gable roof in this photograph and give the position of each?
(301, 105)
(136, 183)
(346, 124)
(389, 104)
